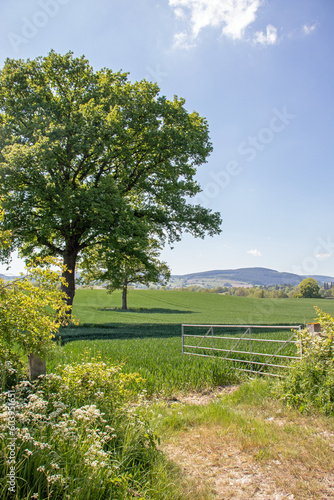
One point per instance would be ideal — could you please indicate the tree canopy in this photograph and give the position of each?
(117, 268)
(309, 288)
(87, 158)
(121, 267)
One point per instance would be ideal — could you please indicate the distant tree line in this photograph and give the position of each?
(308, 288)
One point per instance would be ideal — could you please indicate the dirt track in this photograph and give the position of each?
(208, 455)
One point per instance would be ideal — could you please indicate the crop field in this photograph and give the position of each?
(147, 337)
(176, 307)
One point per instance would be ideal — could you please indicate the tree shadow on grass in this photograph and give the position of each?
(109, 331)
(143, 310)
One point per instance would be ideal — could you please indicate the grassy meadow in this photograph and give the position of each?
(147, 337)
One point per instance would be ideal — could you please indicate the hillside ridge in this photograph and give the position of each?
(250, 276)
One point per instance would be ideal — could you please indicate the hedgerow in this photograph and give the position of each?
(310, 384)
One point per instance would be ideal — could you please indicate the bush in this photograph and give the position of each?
(76, 436)
(310, 385)
(32, 309)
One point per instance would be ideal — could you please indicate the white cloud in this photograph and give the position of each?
(321, 256)
(255, 253)
(231, 16)
(308, 28)
(182, 41)
(179, 13)
(269, 38)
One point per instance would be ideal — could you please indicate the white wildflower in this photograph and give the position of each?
(87, 413)
(56, 478)
(93, 464)
(60, 405)
(52, 376)
(99, 394)
(108, 428)
(42, 446)
(24, 434)
(36, 403)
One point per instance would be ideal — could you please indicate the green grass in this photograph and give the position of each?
(158, 360)
(176, 307)
(147, 337)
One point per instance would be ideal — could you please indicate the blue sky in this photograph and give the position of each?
(260, 71)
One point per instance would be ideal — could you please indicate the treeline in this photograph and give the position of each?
(260, 292)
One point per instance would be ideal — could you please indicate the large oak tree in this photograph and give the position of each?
(88, 157)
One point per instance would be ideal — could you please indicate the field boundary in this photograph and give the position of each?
(224, 347)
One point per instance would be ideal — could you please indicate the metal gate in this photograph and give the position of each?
(252, 348)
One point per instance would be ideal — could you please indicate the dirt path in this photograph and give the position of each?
(231, 473)
(209, 455)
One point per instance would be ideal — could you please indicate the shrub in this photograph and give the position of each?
(32, 309)
(76, 436)
(310, 385)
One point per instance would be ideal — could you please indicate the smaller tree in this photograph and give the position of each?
(129, 271)
(309, 288)
(32, 308)
(326, 294)
(127, 265)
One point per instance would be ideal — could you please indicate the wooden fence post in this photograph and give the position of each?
(36, 366)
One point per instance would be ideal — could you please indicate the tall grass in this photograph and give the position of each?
(159, 362)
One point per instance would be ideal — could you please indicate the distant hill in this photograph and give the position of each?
(248, 276)
(7, 278)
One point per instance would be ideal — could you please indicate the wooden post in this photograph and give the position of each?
(36, 366)
(313, 328)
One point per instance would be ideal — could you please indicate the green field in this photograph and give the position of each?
(148, 336)
(176, 307)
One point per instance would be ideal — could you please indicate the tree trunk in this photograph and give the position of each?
(124, 295)
(69, 261)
